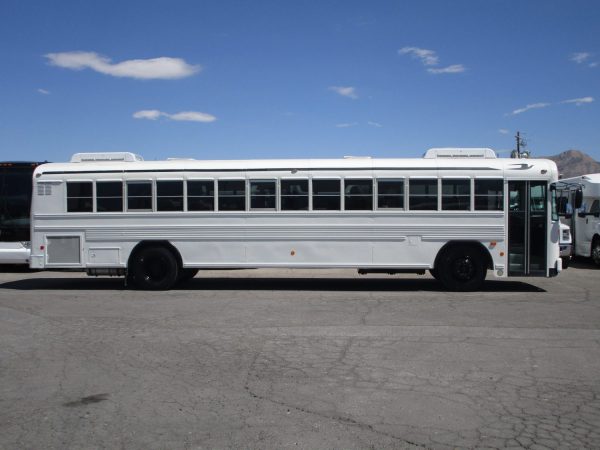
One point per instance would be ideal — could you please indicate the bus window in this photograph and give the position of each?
(79, 196)
(139, 196)
(294, 195)
(169, 195)
(390, 194)
(262, 194)
(326, 194)
(489, 195)
(232, 195)
(456, 194)
(201, 195)
(358, 195)
(423, 195)
(109, 196)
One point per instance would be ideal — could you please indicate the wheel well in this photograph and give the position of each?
(472, 244)
(165, 244)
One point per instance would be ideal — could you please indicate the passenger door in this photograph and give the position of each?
(527, 228)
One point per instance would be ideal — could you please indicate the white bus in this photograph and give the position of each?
(455, 212)
(15, 207)
(585, 220)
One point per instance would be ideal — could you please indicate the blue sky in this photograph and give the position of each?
(270, 79)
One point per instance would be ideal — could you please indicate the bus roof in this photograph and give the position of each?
(528, 167)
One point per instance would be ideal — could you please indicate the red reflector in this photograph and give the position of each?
(42, 247)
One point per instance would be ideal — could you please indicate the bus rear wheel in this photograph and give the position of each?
(462, 268)
(153, 269)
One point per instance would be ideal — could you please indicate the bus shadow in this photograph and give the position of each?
(268, 284)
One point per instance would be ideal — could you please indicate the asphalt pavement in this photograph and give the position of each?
(299, 359)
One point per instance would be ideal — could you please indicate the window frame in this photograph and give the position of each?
(152, 194)
(187, 196)
(308, 193)
(218, 195)
(93, 210)
(275, 194)
(470, 195)
(96, 196)
(403, 196)
(344, 195)
(411, 180)
(505, 206)
(183, 185)
(312, 193)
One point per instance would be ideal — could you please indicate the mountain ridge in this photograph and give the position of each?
(572, 163)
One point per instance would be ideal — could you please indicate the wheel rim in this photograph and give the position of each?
(155, 269)
(463, 269)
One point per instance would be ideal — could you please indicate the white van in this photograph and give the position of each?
(585, 220)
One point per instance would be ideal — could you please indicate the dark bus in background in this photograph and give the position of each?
(15, 207)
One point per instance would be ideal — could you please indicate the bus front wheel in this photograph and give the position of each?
(462, 268)
(153, 269)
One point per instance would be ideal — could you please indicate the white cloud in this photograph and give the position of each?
(430, 58)
(43, 91)
(593, 64)
(579, 101)
(427, 57)
(503, 131)
(579, 57)
(192, 116)
(345, 91)
(454, 68)
(346, 125)
(150, 114)
(374, 124)
(528, 107)
(184, 116)
(163, 68)
(576, 101)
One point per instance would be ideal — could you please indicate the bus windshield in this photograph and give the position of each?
(15, 201)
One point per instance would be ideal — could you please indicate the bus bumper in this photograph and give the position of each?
(556, 269)
(15, 252)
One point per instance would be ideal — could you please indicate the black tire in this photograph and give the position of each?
(596, 251)
(186, 274)
(566, 261)
(153, 269)
(462, 268)
(434, 273)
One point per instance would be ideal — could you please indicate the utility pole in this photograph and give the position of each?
(521, 142)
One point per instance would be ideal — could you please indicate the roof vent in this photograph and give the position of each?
(107, 156)
(450, 152)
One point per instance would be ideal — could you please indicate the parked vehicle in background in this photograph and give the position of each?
(585, 220)
(15, 206)
(456, 212)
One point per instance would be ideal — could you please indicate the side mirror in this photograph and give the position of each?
(578, 199)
